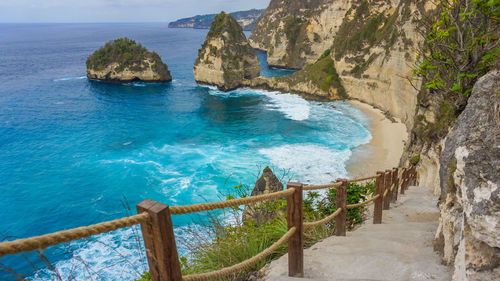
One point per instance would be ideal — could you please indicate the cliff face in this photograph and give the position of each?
(123, 60)
(373, 45)
(296, 32)
(226, 58)
(468, 233)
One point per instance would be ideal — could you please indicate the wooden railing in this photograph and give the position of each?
(158, 231)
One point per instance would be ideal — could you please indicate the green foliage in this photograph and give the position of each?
(322, 73)
(355, 193)
(415, 159)
(217, 25)
(461, 45)
(293, 26)
(126, 52)
(359, 33)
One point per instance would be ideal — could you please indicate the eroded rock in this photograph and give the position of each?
(469, 229)
(123, 60)
(261, 212)
(226, 58)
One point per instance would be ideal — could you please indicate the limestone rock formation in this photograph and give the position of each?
(295, 33)
(226, 58)
(123, 60)
(261, 212)
(469, 231)
(374, 46)
(318, 81)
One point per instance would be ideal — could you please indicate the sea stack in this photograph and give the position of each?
(262, 212)
(226, 58)
(123, 60)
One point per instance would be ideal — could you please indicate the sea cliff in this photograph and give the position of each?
(226, 58)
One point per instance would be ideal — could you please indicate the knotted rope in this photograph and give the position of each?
(180, 210)
(42, 242)
(221, 273)
(322, 221)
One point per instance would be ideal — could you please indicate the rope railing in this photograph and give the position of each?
(362, 179)
(158, 234)
(42, 242)
(322, 221)
(224, 272)
(180, 210)
(351, 206)
(316, 187)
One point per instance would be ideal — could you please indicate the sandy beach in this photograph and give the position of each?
(384, 149)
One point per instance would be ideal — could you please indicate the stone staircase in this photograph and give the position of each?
(398, 249)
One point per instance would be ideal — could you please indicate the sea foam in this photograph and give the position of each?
(309, 163)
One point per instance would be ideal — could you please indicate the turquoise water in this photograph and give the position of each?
(72, 149)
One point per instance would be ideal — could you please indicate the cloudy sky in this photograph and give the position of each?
(116, 10)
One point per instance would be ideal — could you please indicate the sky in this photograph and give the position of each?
(117, 10)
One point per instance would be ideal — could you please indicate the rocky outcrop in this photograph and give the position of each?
(226, 58)
(123, 60)
(295, 33)
(262, 212)
(374, 47)
(318, 81)
(468, 234)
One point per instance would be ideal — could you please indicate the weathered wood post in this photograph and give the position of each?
(387, 185)
(395, 181)
(415, 182)
(341, 202)
(403, 181)
(379, 190)
(412, 175)
(296, 241)
(158, 234)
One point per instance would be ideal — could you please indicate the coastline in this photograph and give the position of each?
(384, 149)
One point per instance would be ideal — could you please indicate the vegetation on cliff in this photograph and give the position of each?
(462, 44)
(321, 74)
(126, 53)
(365, 27)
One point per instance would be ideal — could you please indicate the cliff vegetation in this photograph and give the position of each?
(125, 60)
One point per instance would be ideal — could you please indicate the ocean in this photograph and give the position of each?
(75, 152)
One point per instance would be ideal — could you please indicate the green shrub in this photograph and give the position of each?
(415, 159)
(124, 51)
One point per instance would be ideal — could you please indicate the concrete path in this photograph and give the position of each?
(398, 249)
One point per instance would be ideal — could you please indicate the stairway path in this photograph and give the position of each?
(398, 249)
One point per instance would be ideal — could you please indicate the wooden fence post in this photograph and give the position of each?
(412, 175)
(403, 181)
(158, 234)
(341, 202)
(395, 181)
(296, 241)
(415, 182)
(379, 190)
(387, 185)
